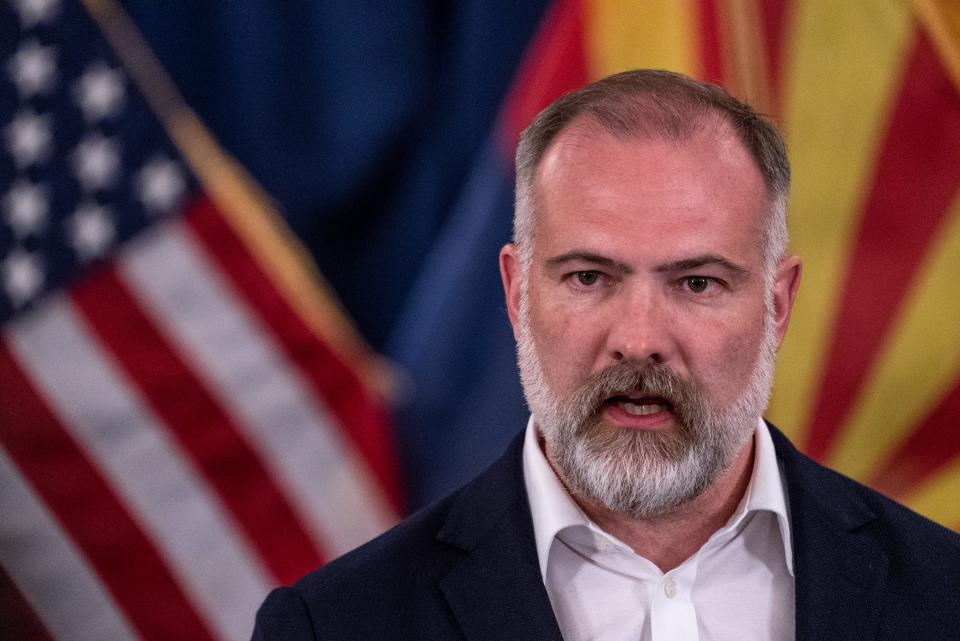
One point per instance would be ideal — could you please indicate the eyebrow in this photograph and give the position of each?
(588, 257)
(702, 261)
(684, 264)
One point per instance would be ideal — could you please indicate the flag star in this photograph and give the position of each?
(96, 161)
(26, 206)
(91, 230)
(99, 92)
(22, 275)
(29, 138)
(33, 12)
(32, 68)
(160, 185)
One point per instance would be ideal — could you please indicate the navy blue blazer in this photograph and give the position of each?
(466, 568)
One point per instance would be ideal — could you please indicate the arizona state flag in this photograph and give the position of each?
(866, 93)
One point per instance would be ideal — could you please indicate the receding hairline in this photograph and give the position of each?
(656, 105)
(571, 142)
(586, 125)
(630, 119)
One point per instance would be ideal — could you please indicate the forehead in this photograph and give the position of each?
(701, 193)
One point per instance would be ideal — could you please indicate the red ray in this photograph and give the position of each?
(931, 446)
(711, 48)
(774, 16)
(917, 175)
(554, 64)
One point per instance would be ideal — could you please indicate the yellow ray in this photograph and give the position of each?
(918, 364)
(626, 34)
(844, 66)
(939, 498)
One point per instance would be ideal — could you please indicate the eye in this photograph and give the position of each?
(697, 284)
(587, 278)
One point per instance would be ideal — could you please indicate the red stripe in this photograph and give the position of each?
(91, 513)
(17, 618)
(917, 176)
(931, 446)
(774, 15)
(711, 48)
(554, 64)
(356, 410)
(206, 432)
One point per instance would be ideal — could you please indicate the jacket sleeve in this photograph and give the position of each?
(283, 617)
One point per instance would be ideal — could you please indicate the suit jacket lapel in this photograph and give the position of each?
(840, 570)
(495, 590)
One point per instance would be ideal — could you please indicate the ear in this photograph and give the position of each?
(785, 286)
(511, 276)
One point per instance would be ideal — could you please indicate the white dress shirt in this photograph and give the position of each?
(739, 586)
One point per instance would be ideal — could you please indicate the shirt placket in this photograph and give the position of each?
(673, 616)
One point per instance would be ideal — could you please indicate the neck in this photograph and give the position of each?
(669, 539)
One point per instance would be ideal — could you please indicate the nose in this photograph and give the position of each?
(640, 328)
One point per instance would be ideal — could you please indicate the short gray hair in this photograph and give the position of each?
(656, 104)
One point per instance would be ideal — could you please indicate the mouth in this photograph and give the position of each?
(639, 411)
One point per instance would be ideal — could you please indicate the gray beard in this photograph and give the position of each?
(641, 474)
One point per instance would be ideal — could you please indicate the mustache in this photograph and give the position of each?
(626, 377)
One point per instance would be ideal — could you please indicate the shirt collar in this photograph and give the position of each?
(551, 507)
(553, 510)
(767, 489)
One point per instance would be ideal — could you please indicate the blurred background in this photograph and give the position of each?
(248, 270)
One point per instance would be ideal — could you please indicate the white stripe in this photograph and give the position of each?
(49, 571)
(147, 469)
(329, 485)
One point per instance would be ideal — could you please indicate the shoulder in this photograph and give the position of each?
(390, 586)
(369, 591)
(812, 486)
(865, 562)
(409, 554)
(843, 529)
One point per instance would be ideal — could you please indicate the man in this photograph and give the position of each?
(648, 289)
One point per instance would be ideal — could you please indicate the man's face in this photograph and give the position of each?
(645, 325)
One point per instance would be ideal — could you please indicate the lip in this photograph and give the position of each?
(657, 421)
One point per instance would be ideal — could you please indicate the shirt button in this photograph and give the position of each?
(670, 589)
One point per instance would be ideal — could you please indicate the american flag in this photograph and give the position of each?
(185, 421)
